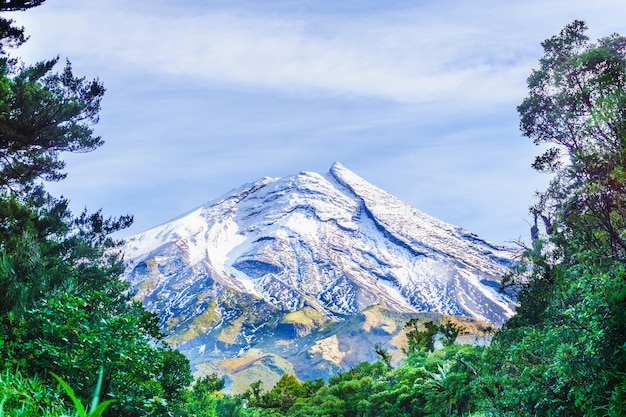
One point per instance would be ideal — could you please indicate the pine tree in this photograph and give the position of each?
(63, 308)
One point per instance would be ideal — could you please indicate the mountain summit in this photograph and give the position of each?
(315, 247)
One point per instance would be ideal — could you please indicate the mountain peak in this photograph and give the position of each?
(337, 167)
(277, 232)
(329, 245)
(344, 176)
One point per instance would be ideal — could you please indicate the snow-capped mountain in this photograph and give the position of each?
(325, 246)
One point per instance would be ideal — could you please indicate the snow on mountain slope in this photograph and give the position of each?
(332, 242)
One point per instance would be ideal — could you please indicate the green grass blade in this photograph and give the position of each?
(97, 412)
(4, 399)
(96, 394)
(70, 393)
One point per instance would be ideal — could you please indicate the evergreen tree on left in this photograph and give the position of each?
(63, 308)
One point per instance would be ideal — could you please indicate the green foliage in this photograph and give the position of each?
(384, 355)
(11, 36)
(204, 398)
(439, 383)
(571, 363)
(22, 396)
(563, 354)
(43, 113)
(14, 5)
(86, 317)
(44, 249)
(74, 334)
(422, 336)
(63, 308)
(97, 407)
(577, 104)
(284, 394)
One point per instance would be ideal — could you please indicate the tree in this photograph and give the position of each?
(284, 394)
(577, 104)
(419, 339)
(63, 308)
(44, 248)
(564, 353)
(11, 36)
(12, 5)
(43, 113)
(204, 397)
(384, 355)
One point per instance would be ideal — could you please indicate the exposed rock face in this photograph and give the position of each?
(232, 273)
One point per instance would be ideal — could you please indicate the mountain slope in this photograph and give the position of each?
(227, 275)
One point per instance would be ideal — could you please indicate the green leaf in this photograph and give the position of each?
(97, 412)
(70, 393)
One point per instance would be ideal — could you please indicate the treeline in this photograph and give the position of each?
(429, 382)
(64, 311)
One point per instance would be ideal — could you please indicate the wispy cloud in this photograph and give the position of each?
(406, 57)
(420, 54)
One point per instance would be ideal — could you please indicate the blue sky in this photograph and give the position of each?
(417, 97)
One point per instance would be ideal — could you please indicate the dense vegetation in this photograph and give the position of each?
(63, 310)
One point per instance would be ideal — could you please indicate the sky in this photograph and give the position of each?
(417, 97)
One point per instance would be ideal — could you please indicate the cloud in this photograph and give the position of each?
(386, 60)
(478, 53)
(407, 53)
(404, 57)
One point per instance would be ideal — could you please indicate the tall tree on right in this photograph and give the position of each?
(577, 105)
(564, 353)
